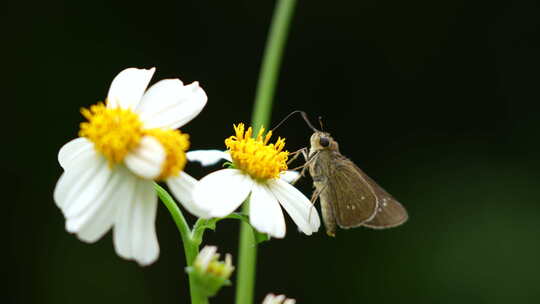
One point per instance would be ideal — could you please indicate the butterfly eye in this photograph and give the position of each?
(324, 142)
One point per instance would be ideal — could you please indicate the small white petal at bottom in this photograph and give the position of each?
(221, 192)
(182, 187)
(277, 299)
(147, 159)
(265, 213)
(297, 205)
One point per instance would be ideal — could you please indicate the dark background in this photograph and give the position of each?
(436, 100)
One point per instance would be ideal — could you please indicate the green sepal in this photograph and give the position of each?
(207, 283)
(260, 237)
(229, 165)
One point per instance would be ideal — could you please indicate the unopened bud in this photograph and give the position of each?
(209, 273)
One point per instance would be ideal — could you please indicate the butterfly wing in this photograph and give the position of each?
(351, 194)
(390, 213)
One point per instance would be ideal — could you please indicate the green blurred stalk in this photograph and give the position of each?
(271, 63)
(247, 256)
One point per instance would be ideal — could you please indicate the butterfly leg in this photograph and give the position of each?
(308, 162)
(326, 208)
(304, 167)
(295, 155)
(314, 196)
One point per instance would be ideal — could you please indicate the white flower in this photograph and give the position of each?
(126, 143)
(279, 299)
(257, 174)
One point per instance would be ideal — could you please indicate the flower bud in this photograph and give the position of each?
(209, 273)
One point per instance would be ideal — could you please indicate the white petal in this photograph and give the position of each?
(205, 256)
(147, 159)
(182, 187)
(208, 157)
(265, 213)
(297, 205)
(81, 183)
(221, 192)
(83, 197)
(170, 104)
(100, 215)
(128, 87)
(73, 149)
(289, 176)
(134, 230)
(122, 224)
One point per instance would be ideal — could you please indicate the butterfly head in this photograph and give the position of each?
(323, 141)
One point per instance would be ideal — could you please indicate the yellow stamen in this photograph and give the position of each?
(255, 156)
(220, 269)
(114, 132)
(175, 144)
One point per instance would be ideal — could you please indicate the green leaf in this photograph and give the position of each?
(200, 226)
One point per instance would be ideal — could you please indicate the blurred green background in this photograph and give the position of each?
(436, 100)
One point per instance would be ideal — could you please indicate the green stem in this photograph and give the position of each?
(247, 256)
(175, 212)
(191, 248)
(247, 259)
(196, 297)
(271, 63)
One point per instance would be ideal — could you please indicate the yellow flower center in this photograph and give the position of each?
(114, 132)
(175, 144)
(255, 156)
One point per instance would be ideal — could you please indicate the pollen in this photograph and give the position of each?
(254, 155)
(175, 144)
(114, 131)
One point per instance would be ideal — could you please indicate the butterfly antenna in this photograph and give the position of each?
(304, 115)
(320, 123)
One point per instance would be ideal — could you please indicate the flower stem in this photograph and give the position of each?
(247, 256)
(247, 259)
(191, 248)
